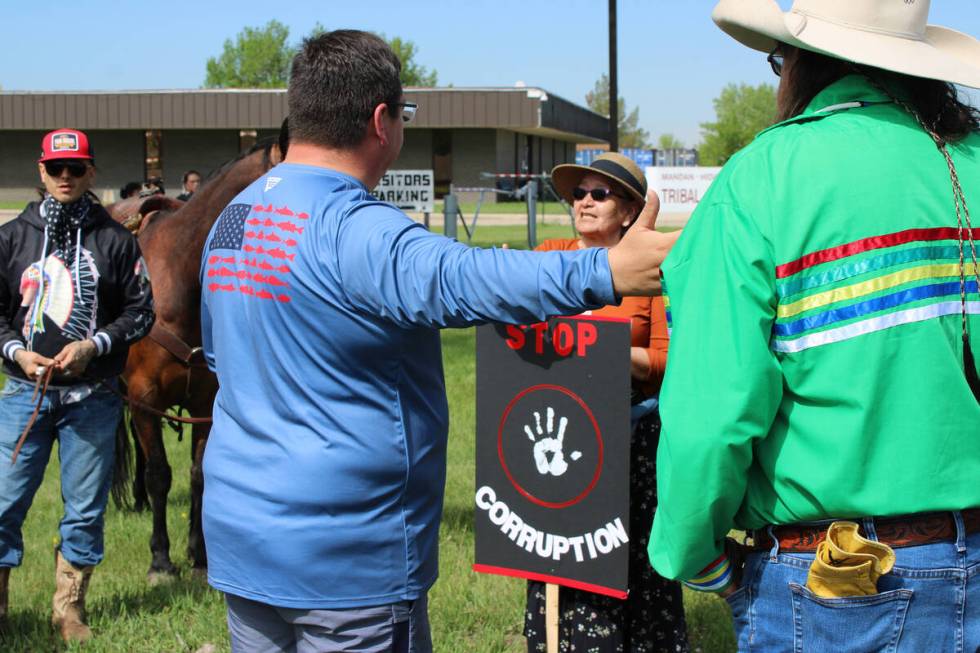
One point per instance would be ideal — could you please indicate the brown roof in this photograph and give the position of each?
(529, 110)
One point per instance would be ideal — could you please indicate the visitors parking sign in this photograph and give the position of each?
(409, 190)
(552, 460)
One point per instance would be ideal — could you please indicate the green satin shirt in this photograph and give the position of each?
(816, 365)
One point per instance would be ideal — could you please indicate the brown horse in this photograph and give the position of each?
(165, 369)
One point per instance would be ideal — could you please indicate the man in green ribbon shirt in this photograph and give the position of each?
(824, 304)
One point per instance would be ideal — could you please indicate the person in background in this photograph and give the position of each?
(606, 197)
(132, 189)
(71, 303)
(190, 181)
(152, 186)
(825, 318)
(328, 356)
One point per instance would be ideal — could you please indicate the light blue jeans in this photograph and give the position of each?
(394, 628)
(85, 431)
(930, 603)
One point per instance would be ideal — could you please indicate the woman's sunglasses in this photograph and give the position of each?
(598, 194)
(74, 168)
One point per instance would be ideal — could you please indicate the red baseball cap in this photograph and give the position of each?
(65, 144)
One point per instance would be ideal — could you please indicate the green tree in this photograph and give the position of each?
(259, 57)
(630, 132)
(741, 112)
(413, 74)
(669, 142)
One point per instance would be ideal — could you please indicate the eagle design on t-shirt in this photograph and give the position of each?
(51, 292)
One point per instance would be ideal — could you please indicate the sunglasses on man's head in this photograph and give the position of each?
(598, 194)
(74, 168)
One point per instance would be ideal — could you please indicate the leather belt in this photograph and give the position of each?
(896, 532)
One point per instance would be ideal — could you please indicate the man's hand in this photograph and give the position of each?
(75, 357)
(635, 261)
(33, 363)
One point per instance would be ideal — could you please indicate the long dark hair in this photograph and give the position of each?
(935, 103)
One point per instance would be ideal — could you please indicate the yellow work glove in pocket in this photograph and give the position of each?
(848, 564)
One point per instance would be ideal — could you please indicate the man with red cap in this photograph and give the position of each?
(71, 302)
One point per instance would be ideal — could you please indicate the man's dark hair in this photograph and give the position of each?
(336, 81)
(188, 174)
(935, 103)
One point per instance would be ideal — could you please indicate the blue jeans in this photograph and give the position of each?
(929, 602)
(85, 431)
(395, 628)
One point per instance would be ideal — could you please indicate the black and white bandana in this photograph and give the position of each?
(64, 220)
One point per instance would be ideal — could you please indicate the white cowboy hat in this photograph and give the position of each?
(888, 34)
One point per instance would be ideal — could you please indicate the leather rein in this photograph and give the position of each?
(191, 357)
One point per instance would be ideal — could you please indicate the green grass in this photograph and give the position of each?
(470, 612)
(12, 205)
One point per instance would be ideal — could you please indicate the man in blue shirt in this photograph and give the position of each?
(321, 311)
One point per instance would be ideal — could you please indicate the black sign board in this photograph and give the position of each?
(552, 452)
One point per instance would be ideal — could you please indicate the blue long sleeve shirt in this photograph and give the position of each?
(325, 468)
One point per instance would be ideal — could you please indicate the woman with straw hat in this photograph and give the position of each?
(606, 198)
(825, 313)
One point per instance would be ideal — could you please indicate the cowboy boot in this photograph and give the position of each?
(68, 605)
(4, 585)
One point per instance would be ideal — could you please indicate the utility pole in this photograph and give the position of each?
(613, 82)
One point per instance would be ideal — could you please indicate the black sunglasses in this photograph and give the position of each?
(775, 60)
(598, 194)
(408, 110)
(74, 168)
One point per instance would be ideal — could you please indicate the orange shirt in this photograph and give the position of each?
(648, 322)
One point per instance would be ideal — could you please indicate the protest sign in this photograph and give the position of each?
(552, 474)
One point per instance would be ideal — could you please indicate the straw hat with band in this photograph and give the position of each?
(611, 165)
(887, 34)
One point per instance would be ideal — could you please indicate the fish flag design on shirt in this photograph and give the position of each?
(264, 246)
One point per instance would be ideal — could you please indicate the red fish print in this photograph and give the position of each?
(303, 216)
(268, 223)
(283, 268)
(259, 278)
(264, 294)
(284, 211)
(276, 281)
(258, 208)
(248, 248)
(283, 298)
(290, 227)
(254, 222)
(247, 290)
(290, 243)
(265, 265)
(272, 238)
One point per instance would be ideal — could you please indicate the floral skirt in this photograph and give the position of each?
(651, 620)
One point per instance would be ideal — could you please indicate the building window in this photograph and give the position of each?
(153, 148)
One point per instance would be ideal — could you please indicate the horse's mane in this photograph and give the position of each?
(264, 144)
